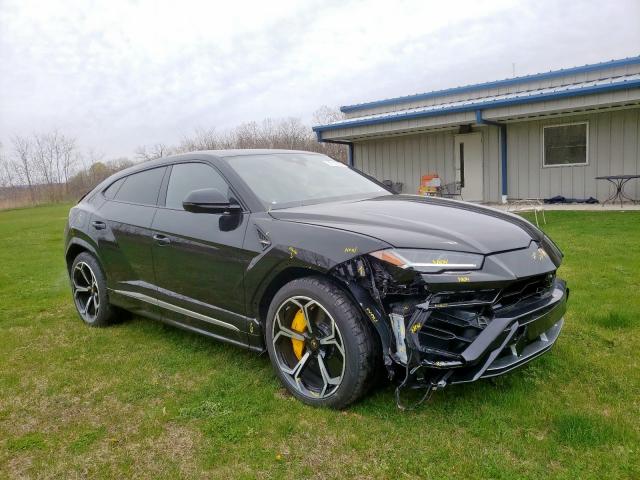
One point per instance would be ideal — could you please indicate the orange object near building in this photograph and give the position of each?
(429, 184)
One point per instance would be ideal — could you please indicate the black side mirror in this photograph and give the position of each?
(209, 200)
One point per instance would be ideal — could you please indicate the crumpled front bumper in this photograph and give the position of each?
(516, 335)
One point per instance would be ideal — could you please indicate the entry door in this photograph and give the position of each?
(469, 166)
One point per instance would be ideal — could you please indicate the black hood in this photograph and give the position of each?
(408, 221)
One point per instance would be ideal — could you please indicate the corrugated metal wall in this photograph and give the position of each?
(406, 158)
(614, 149)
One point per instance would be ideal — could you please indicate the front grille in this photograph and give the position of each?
(453, 320)
(451, 330)
(539, 285)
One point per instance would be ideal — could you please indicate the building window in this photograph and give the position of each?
(565, 145)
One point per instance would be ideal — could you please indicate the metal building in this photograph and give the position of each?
(534, 136)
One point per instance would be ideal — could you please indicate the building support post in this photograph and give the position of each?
(350, 151)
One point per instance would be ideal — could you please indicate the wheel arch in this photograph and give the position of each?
(76, 247)
(277, 282)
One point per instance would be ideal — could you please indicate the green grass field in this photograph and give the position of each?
(146, 400)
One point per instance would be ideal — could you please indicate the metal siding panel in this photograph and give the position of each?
(602, 154)
(578, 188)
(591, 170)
(424, 155)
(357, 161)
(555, 173)
(363, 158)
(414, 174)
(491, 159)
(566, 178)
(545, 173)
(523, 160)
(616, 154)
(533, 155)
(401, 147)
(496, 166)
(440, 156)
(449, 166)
(512, 161)
(630, 149)
(379, 159)
(486, 167)
(386, 155)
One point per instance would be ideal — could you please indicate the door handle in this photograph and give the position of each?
(161, 239)
(98, 225)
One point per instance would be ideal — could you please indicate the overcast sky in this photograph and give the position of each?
(118, 74)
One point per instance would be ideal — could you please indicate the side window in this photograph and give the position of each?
(141, 187)
(186, 177)
(112, 189)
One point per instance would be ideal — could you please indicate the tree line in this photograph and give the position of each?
(51, 167)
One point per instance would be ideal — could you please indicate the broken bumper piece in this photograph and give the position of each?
(460, 345)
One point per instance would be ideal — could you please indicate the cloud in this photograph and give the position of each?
(120, 74)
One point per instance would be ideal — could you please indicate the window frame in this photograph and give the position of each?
(162, 197)
(543, 150)
(124, 177)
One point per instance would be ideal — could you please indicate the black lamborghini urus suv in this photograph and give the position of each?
(335, 276)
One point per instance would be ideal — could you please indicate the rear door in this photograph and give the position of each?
(198, 257)
(124, 229)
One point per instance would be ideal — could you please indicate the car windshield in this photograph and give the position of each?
(291, 179)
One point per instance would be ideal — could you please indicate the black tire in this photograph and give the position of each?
(360, 350)
(85, 269)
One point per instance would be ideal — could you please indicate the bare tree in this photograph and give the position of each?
(159, 150)
(323, 116)
(22, 148)
(202, 139)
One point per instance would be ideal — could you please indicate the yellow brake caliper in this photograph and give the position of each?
(298, 325)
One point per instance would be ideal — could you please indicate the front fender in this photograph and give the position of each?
(296, 246)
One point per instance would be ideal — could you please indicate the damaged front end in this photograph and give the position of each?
(451, 317)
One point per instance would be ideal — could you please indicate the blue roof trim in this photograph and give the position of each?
(531, 98)
(496, 83)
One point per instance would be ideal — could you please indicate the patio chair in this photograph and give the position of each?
(396, 187)
(452, 190)
(535, 205)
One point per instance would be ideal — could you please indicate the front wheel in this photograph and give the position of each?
(320, 345)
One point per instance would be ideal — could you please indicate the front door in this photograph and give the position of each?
(198, 257)
(469, 166)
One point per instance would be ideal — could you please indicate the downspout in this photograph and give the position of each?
(503, 149)
(350, 151)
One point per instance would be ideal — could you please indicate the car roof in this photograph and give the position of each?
(204, 155)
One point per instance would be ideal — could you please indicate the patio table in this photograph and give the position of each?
(619, 182)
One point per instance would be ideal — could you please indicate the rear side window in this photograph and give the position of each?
(141, 187)
(186, 177)
(112, 189)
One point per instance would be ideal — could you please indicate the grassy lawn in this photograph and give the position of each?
(146, 400)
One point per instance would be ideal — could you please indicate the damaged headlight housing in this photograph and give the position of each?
(429, 261)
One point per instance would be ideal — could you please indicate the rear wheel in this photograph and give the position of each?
(319, 344)
(89, 289)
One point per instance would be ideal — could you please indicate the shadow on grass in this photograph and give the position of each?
(612, 320)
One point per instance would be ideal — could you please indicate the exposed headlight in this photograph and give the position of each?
(429, 261)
